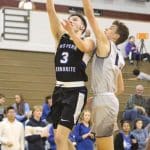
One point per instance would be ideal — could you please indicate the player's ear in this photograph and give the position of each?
(117, 36)
(82, 27)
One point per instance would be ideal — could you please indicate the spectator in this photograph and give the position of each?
(46, 107)
(141, 75)
(148, 107)
(135, 107)
(26, 4)
(2, 101)
(145, 57)
(51, 139)
(22, 108)
(82, 131)
(11, 132)
(123, 140)
(147, 129)
(140, 134)
(131, 50)
(46, 110)
(36, 132)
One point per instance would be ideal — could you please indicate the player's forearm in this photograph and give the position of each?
(54, 20)
(50, 7)
(88, 10)
(83, 45)
(103, 46)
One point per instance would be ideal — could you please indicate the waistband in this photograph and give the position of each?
(104, 93)
(70, 84)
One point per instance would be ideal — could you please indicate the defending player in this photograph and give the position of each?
(106, 77)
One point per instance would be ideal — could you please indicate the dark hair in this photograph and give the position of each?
(2, 95)
(9, 108)
(122, 122)
(82, 18)
(136, 72)
(47, 98)
(20, 108)
(122, 30)
(138, 119)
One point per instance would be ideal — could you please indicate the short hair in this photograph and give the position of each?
(139, 86)
(122, 122)
(37, 107)
(2, 95)
(9, 108)
(136, 72)
(122, 30)
(82, 19)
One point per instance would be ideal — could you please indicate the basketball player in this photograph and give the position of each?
(70, 63)
(106, 77)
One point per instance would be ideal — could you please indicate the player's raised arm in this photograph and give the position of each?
(55, 24)
(103, 46)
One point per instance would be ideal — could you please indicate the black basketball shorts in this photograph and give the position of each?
(67, 104)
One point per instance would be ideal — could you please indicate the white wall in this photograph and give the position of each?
(136, 6)
(40, 36)
(42, 40)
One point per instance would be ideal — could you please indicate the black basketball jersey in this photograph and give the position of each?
(69, 64)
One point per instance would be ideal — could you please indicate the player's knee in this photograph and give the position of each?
(59, 138)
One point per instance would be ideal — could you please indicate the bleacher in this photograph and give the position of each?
(32, 74)
(130, 84)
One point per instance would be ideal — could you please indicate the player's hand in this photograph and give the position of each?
(67, 25)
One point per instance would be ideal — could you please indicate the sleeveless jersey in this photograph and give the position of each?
(70, 62)
(105, 71)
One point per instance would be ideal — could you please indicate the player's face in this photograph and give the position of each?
(76, 23)
(87, 116)
(111, 33)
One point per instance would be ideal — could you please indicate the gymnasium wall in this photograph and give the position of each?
(41, 38)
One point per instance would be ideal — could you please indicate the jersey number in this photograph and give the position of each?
(64, 59)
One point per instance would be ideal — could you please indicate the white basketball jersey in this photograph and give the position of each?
(105, 71)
